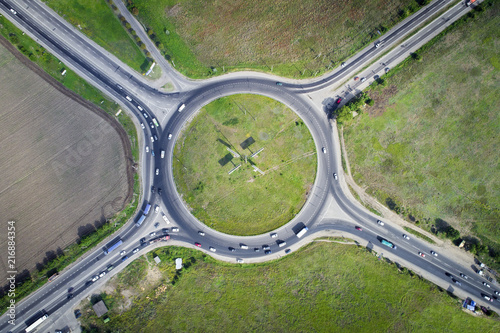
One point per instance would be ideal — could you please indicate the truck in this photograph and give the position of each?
(158, 239)
(469, 2)
(112, 246)
(302, 232)
(389, 244)
(146, 210)
(37, 322)
(139, 222)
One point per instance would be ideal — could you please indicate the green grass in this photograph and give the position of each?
(54, 67)
(96, 20)
(419, 235)
(289, 38)
(245, 202)
(324, 287)
(429, 145)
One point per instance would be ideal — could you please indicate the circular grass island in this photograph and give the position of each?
(245, 164)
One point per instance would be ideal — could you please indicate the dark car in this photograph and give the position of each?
(153, 189)
(78, 313)
(256, 249)
(279, 83)
(267, 252)
(159, 191)
(456, 282)
(232, 249)
(70, 296)
(359, 228)
(143, 240)
(338, 100)
(288, 251)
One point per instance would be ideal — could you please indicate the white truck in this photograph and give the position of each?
(302, 232)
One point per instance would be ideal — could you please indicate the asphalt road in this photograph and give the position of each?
(120, 83)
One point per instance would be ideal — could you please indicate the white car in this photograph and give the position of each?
(434, 253)
(123, 252)
(377, 44)
(174, 229)
(140, 108)
(408, 238)
(162, 153)
(169, 136)
(142, 125)
(239, 261)
(13, 11)
(147, 149)
(157, 172)
(157, 208)
(102, 274)
(95, 278)
(363, 79)
(487, 285)
(212, 249)
(335, 176)
(342, 64)
(152, 139)
(165, 218)
(201, 233)
(152, 234)
(145, 115)
(380, 222)
(135, 250)
(324, 150)
(274, 235)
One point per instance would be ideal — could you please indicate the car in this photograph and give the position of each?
(239, 261)
(421, 254)
(95, 278)
(380, 222)
(377, 44)
(13, 11)
(135, 250)
(405, 236)
(363, 79)
(164, 230)
(279, 83)
(145, 115)
(70, 296)
(463, 276)
(157, 172)
(162, 153)
(287, 251)
(387, 69)
(165, 218)
(110, 267)
(151, 124)
(156, 137)
(175, 229)
(152, 139)
(266, 247)
(274, 235)
(486, 284)
(128, 98)
(152, 234)
(232, 249)
(147, 149)
(335, 176)
(486, 297)
(102, 274)
(142, 125)
(434, 253)
(197, 244)
(157, 224)
(338, 100)
(324, 150)
(342, 64)
(201, 233)
(448, 275)
(267, 252)
(159, 191)
(153, 189)
(213, 249)
(356, 78)
(181, 107)
(140, 108)
(456, 282)
(169, 136)
(78, 314)
(124, 258)
(496, 292)
(358, 228)
(152, 152)
(123, 252)
(157, 208)
(256, 249)
(142, 240)
(243, 246)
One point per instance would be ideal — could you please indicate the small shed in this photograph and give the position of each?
(100, 308)
(157, 260)
(178, 263)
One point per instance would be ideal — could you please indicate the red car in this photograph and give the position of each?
(197, 244)
(339, 100)
(358, 228)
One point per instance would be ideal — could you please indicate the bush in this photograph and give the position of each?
(135, 11)
(370, 102)
(452, 233)
(127, 25)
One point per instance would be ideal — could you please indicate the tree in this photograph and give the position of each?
(452, 232)
(135, 11)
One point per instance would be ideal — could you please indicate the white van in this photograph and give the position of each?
(281, 244)
(181, 107)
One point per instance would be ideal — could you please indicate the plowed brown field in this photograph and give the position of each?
(63, 164)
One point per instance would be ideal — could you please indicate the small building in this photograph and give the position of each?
(100, 308)
(157, 260)
(178, 263)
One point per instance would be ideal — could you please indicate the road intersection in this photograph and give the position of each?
(328, 209)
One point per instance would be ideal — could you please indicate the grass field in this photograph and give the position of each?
(289, 38)
(325, 287)
(96, 20)
(63, 166)
(245, 202)
(430, 143)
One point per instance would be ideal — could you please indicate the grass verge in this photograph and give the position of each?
(432, 119)
(30, 281)
(323, 287)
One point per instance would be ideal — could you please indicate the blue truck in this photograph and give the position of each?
(112, 246)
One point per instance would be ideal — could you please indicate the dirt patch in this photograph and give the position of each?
(63, 157)
(381, 100)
